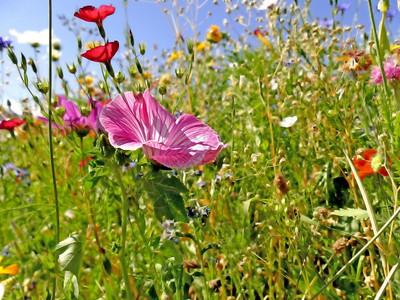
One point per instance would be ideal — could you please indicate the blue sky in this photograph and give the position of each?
(145, 18)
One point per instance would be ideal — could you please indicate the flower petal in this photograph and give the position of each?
(10, 270)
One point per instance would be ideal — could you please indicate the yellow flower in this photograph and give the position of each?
(165, 79)
(201, 46)
(213, 34)
(146, 75)
(175, 56)
(92, 44)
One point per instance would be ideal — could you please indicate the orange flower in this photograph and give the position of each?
(369, 162)
(213, 34)
(10, 270)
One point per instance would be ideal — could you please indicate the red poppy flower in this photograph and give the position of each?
(102, 54)
(364, 164)
(11, 124)
(92, 14)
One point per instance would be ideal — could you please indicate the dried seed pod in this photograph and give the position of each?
(281, 184)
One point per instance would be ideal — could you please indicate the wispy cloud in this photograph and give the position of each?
(33, 37)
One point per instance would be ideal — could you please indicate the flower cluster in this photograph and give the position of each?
(391, 69)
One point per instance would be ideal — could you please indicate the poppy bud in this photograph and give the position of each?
(138, 66)
(42, 87)
(79, 42)
(102, 32)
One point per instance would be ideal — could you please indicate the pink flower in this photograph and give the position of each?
(392, 71)
(135, 121)
(73, 118)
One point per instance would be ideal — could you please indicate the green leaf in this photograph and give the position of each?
(384, 43)
(71, 256)
(71, 283)
(165, 191)
(357, 213)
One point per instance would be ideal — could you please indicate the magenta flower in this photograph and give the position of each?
(135, 121)
(73, 118)
(392, 71)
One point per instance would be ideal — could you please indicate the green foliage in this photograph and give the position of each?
(71, 254)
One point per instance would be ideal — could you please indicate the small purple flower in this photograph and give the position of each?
(343, 7)
(326, 23)
(390, 14)
(4, 43)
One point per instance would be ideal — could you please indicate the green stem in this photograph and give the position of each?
(53, 173)
(379, 54)
(125, 208)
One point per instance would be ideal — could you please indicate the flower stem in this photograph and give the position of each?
(53, 173)
(125, 207)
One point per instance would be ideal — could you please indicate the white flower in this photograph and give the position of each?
(33, 37)
(1, 291)
(288, 122)
(266, 4)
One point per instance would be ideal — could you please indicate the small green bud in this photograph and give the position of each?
(12, 56)
(102, 32)
(190, 47)
(42, 86)
(142, 48)
(162, 89)
(9, 103)
(60, 111)
(57, 46)
(133, 71)
(138, 66)
(85, 111)
(71, 68)
(179, 72)
(60, 73)
(377, 162)
(131, 39)
(79, 42)
(120, 77)
(31, 62)
(23, 62)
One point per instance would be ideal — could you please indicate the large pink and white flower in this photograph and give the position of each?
(135, 121)
(391, 68)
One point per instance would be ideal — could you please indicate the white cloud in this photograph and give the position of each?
(266, 4)
(33, 37)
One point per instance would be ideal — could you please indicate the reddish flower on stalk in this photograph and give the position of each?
(391, 69)
(92, 14)
(11, 124)
(370, 162)
(135, 121)
(102, 54)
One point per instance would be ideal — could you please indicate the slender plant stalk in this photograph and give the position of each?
(125, 207)
(386, 282)
(370, 211)
(53, 173)
(379, 54)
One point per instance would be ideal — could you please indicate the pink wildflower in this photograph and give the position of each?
(392, 71)
(135, 121)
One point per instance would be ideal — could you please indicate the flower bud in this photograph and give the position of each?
(60, 73)
(12, 56)
(85, 111)
(31, 62)
(71, 68)
(23, 62)
(79, 42)
(120, 77)
(162, 90)
(42, 87)
(138, 66)
(377, 162)
(179, 72)
(190, 47)
(60, 111)
(142, 48)
(131, 39)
